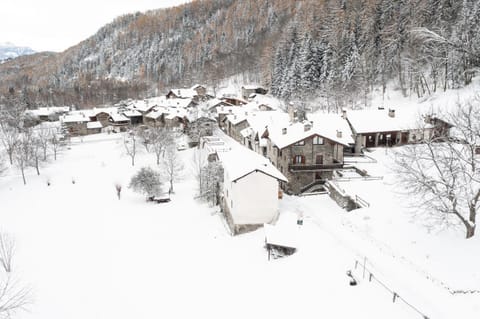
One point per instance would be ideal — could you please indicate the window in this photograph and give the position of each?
(318, 140)
(301, 143)
(299, 159)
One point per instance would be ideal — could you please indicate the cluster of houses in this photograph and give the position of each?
(280, 151)
(308, 149)
(179, 108)
(299, 151)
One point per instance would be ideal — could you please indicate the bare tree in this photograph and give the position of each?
(13, 295)
(144, 135)
(7, 250)
(23, 153)
(36, 153)
(43, 139)
(198, 162)
(3, 167)
(10, 138)
(443, 175)
(173, 165)
(160, 138)
(212, 176)
(130, 143)
(55, 143)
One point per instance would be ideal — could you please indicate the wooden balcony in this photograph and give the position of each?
(314, 167)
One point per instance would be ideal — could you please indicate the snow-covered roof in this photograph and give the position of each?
(75, 118)
(252, 87)
(330, 126)
(237, 117)
(214, 144)
(49, 110)
(173, 113)
(241, 100)
(240, 162)
(374, 120)
(213, 103)
(132, 113)
(116, 117)
(156, 112)
(94, 124)
(285, 235)
(196, 86)
(247, 132)
(142, 106)
(97, 110)
(259, 121)
(226, 109)
(183, 93)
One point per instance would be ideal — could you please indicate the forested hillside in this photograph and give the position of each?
(337, 49)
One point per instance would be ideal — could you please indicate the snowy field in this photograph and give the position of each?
(87, 254)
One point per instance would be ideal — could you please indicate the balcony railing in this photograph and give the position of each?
(314, 167)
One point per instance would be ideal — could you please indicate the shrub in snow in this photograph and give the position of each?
(146, 181)
(118, 188)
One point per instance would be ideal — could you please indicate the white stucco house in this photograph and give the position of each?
(250, 189)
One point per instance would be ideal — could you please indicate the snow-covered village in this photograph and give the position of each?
(271, 182)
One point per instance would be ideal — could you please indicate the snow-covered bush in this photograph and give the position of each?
(146, 181)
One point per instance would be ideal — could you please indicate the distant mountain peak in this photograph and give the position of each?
(9, 50)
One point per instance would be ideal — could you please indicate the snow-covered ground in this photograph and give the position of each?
(87, 254)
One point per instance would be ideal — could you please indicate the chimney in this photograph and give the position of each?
(339, 134)
(344, 113)
(391, 112)
(235, 117)
(230, 111)
(222, 108)
(284, 130)
(246, 113)
(307, 126)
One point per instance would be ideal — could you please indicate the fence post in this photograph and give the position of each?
(394, 296)
(370, 277)
(356, 264)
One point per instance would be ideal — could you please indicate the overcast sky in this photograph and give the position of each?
(55, 25)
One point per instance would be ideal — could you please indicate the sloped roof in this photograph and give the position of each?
(183, 93)
(324, 125)
(94, 124)
(132, 113)
(142, 106)
(73, 118)
(116, 117)
(155, 113)
(173, 113)
(374, 120)
(50, 110)
(240, 162)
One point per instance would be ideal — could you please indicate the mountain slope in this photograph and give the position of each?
(340, 50)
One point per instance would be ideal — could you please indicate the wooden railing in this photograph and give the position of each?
(314, 167)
